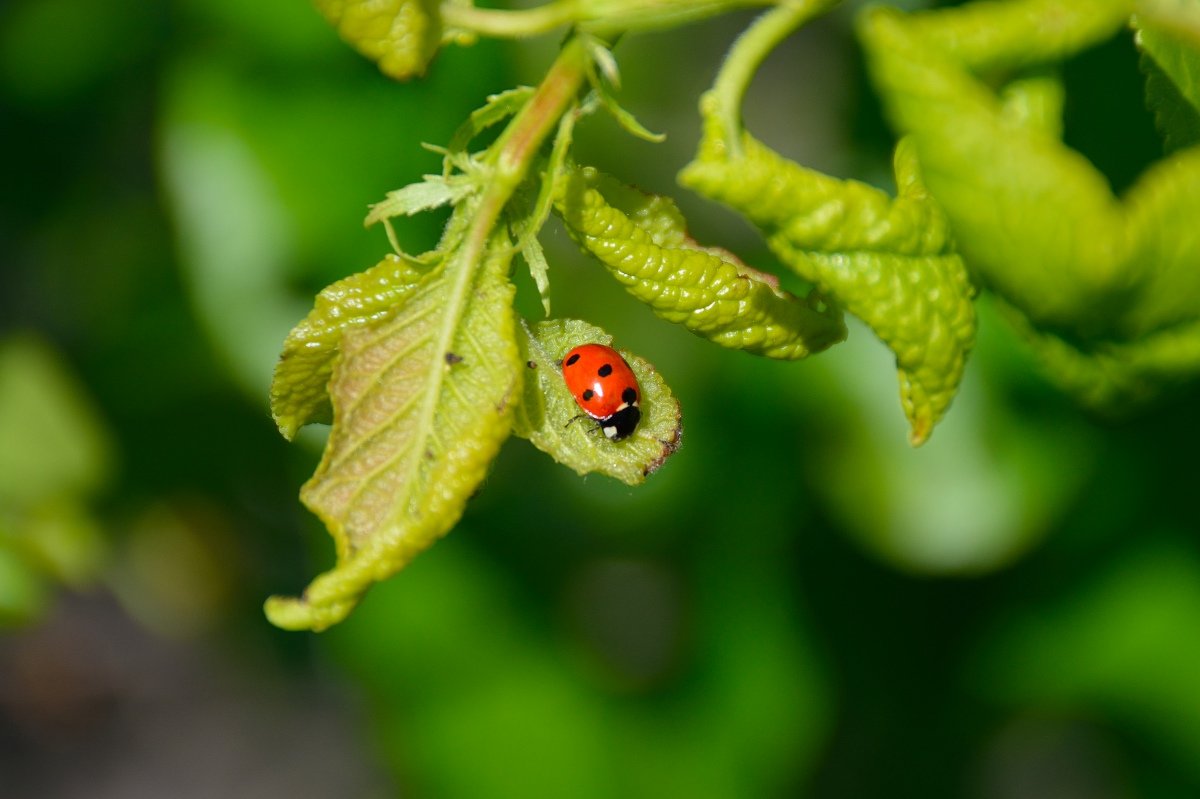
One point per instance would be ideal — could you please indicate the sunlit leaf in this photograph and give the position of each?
(433, 191)
(642, 240)
(549, 417)
(890, 262)
(421, 402)
(1108, 285)
(402, 36)
(299, 390)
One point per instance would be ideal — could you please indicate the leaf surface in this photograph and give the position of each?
(299, 390)
(421, 401)
(401, 36)
(549, 417)
(642, 240)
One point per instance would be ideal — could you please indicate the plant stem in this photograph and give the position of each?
(509, 24)
(747, 54)
(512, 154)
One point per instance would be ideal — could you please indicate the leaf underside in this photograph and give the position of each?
(421, 403)
(1117, 278)
(300, 388)
(890, 262)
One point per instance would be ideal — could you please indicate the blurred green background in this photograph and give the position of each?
(797, 605)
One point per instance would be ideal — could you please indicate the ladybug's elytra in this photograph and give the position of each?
(604, 387)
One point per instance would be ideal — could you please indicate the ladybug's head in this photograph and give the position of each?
(622, 423)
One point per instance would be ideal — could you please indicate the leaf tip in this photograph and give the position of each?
(297, 613)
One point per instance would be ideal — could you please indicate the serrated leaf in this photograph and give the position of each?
(642, 240)
(432, 192)
(401, 36)
(1172, 70)
(539, 269)
(299, 389)
(529, 220)
(549, 417)
(890, 262)
(421, 404)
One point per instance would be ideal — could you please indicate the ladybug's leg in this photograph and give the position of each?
(592, 430)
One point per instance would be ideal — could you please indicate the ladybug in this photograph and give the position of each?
(604, 387)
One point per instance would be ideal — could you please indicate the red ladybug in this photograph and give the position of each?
(604, 387)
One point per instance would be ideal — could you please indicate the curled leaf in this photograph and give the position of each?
(299, 390)
(549, 417)
(890, 262)
(401, 36)
(422, 400)
(642, 240)
(1113, 279)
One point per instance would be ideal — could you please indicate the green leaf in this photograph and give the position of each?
(299, 390)
(402, 36)
(433, 191)
(498, 108)
(1172, 69)
(539, 269)
(605, 78)
(1112, 377)
(1010, 191)
(528, 220)
(421, 404)
(1097, 278)
(890, 262)
(549, 417)
(642, 240)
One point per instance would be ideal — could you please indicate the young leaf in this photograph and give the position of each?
(299, 390)
(433, 191)
(549, 417)
(421, 403)
(528, 219)
(1115, 277)
(890, 262)
(402, 36)
(642, 240)
(1035, 218)
(498, 108)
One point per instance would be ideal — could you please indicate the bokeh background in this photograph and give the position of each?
(797, 605)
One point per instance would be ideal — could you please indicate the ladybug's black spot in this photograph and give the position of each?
(605, 370)
(588, 394)
(571, 361)
(629, 396)
(453, 358)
